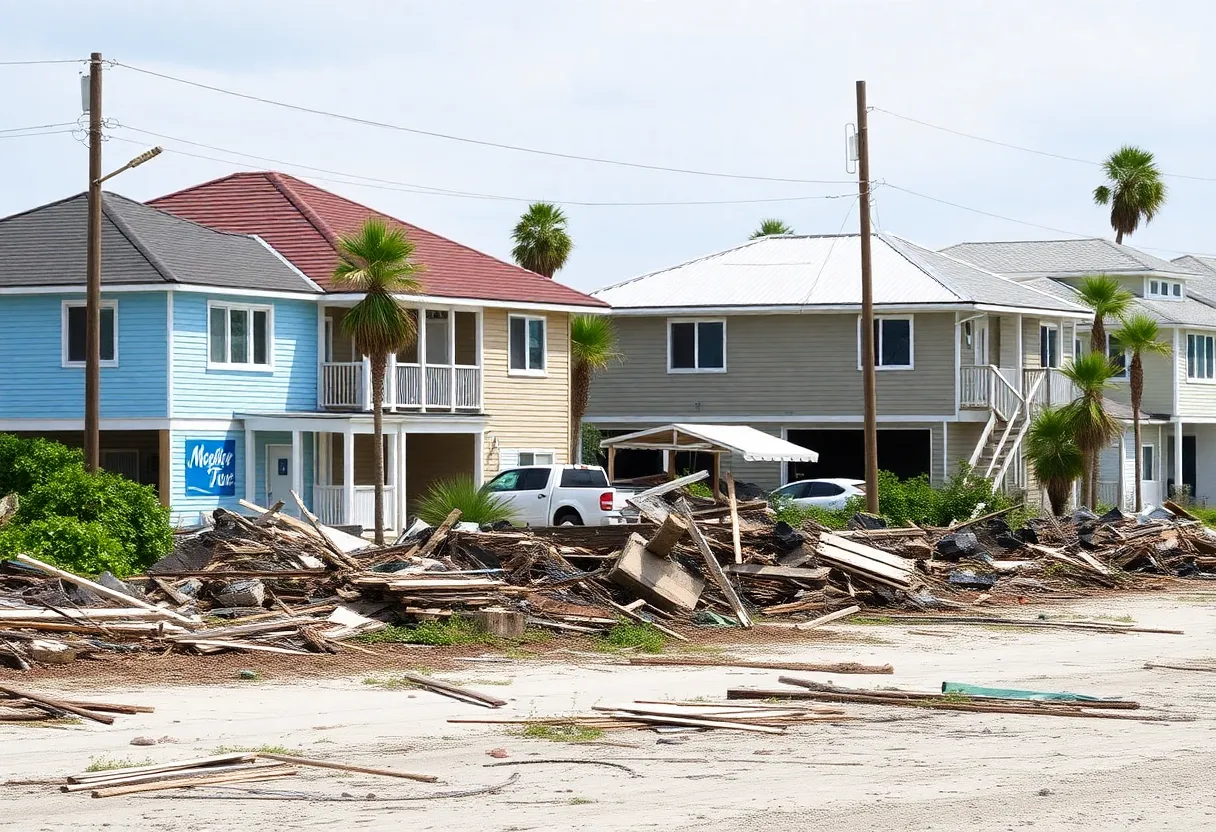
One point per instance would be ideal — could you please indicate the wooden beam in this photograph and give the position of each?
(106, 592)
(164, 474)
(827, 619)
(715, 568)
(55, 706)
(734, 517)
(303, 761)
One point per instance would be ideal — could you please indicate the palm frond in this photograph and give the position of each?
(1050, 448)
(769, 227)
(379, 325)
(593, 341)
(1141, 334)
(542, 243)
(1134, 191)
(1091, 373)
(377, 258)
(1105, 295)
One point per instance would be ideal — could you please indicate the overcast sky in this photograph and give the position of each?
(758, 87)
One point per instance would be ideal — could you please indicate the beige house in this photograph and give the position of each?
(768, 334)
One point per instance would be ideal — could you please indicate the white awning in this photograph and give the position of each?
(753, 445)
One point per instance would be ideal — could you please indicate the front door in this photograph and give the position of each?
(278, 477)
(982, 358)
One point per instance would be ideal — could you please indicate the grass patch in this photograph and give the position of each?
(872, 620)
(564, 732)
(1207, 515)
(629, 636)
(111, 763)
(389, 683)
(579, 801)
(453, 631)
(256, 749)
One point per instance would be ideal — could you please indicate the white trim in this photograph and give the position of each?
(661, 420)
(696, 345)
(169, 358)
(878, 365)
(477, 303)
(832, 308)
(64, 306)
(297, 461)
(250, 309)
(1149, 471)
(1179, 366)
(125, 288)
(288, 263)
(958, 359)
(251, 472)
(393, 423)
(1203, 379)
(1167, 285)
(1049, 326)
(534, 372)
(552, 452)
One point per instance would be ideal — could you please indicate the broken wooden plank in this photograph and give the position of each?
(339, 556)
(669, 534)
(672, 485)
(658, 580)
(808, 667)
(440, 534)
(268, 515)
(640, 715)
(752, 570)
(154, 776)
(252, 774)
(734, 517)
(436, 686)
(715, 568)
(384, 772)
(198, 762)
(633, 616)
(855, 547)
(55, 706)
(241, 645)
(827, 619)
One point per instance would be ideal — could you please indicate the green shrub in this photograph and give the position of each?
(788, 511)
(25, 463)
(75, 545)
(476, 505)
(455, 630)
(591, 438)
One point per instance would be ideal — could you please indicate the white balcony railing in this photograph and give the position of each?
(342, 384)
(438, 386)
(329, 503)
(468, 388)
(973, 385)
(406, 386)
(409, 385)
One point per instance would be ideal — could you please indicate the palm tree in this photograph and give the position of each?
(1093, 428)
(541, 241)
(375, 260)
(1135, 191)
(769, 227)
(1108, 299)
(593, 348)
(1054, 456)
(1139, 335)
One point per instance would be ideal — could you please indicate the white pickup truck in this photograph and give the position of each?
(553, 495)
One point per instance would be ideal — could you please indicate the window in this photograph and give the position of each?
(527, 345)
(795, 490)
(1116, 355)
(892, 343)
(520, 479)
(1200, 356)
(536, 457)
(1163, 289)
(584, 478)
(73, 335)
(1049, 345)
(121, 462)
(824, 489)
(1147, 459)
(239, 336)
(696, 346)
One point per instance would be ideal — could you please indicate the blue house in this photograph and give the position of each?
(225, 371)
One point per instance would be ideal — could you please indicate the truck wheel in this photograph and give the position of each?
(567, 517)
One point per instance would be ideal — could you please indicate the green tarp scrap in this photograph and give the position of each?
(1009, 693)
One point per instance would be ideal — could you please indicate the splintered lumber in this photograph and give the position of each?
(341, 557)
(440, 534)
(240, 645)
(641, 715)
(734, 517)
(106, 592)
(806, 667)
(753, 570)
(269, 514)
(1174, 508)
(154, 776)
(55, 706)
(97, 613)
(650, 507)
(453, 691)
(1208, 668)
(304, 761)
(829, 618)
(253, 773)
(669, 534)
(633, 616)
(198, 762)
(658, 580)
(866, 561)
(715, 568)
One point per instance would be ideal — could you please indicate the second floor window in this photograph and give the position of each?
(239, 336)
(74, 334)
(527, 345)
(1049, 345)
(892, 343)
(696, 346)
(1200, 352)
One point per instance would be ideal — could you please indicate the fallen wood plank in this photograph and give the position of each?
(440, 534)
(1174, 508)
(956, 526)
(55, 706)
(734, 517)
(244, 573)
(959, 695)
(1024, 622)
(436, 686)
(1202, 668)
(900, 563)
(268, 515)
(304, 761)
(341, 558)
(793, 573)
(106, 592)
(829, 618)
(691, 722)
(809, 667)
(672, 485)
(242, 645)
(154, 776)
(254, 773)
(217, 759)
(95, 613)
(557, 625)
(167, 588)
(715, 568)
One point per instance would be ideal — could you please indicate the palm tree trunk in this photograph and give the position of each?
(1137, 385)
(1119, 237)
(378, 365)
(1086, 469)
(580, 393)
(1095, 465)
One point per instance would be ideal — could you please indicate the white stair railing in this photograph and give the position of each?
(1027, 419)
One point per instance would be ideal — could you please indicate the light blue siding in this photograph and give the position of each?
(35, 384)
(290, 386)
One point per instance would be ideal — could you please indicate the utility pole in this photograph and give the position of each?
(867, 304)
(92, 338)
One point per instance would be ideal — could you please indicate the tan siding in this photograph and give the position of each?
(962, 438)
(1009, 342)
(430, 457)
(776, 365)
(1030, 343)
(365, 458)
(526, 411)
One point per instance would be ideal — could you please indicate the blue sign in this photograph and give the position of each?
(210, 467)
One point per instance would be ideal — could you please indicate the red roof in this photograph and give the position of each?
(303, 222)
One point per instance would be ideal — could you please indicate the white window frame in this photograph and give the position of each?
(1199, 379)
(1146, 471)
(529, 371)
(250, 309)
(878, 365)
(63, 333)
(519, 454)
(696, 345)
(1059, 345)
(1165, 289)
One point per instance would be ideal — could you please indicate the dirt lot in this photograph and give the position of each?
(897, 769)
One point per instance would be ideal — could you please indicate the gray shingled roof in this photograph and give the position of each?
(1190, 311)
(46, 246)
(1203, 285)
(1064, 257)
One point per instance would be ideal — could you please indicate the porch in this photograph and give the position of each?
(990, 387)
(440, 372)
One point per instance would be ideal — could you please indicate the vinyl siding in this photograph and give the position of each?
(525, 411)
(202, 392)
(1195, 398)
(35, 384)
(777, 365)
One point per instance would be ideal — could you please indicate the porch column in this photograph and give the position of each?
(348, 475)
(422, 356)
(481, 373)
(321, 357)
(452, 355)
(251, 471)
(390, 474)
(1177, 457)
(479, 458)
(403, 465)
(1121, 500)
(1019, 359)
(366, 371)
(390, 381)
(297, 463)
(164, 476)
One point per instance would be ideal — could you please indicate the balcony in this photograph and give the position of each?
(347, 385)
(1001, 388)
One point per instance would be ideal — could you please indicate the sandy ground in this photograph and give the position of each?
(898, 769)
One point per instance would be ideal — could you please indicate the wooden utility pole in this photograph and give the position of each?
(867, 304)
(92, 338)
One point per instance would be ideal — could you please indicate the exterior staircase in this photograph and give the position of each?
(1010, 415)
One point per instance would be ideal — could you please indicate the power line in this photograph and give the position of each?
(35, 63)
(1023, 149)
(37, 127)
(427, 190)
(39, 133)
(479, 142)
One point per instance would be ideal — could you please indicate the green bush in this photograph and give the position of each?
(591, 438)
(81, 522)
(477, 505)
(787, 511)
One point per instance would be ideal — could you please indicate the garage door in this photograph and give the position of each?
(905, 453)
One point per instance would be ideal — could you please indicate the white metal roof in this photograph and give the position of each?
(753, 445)
(807, 271)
